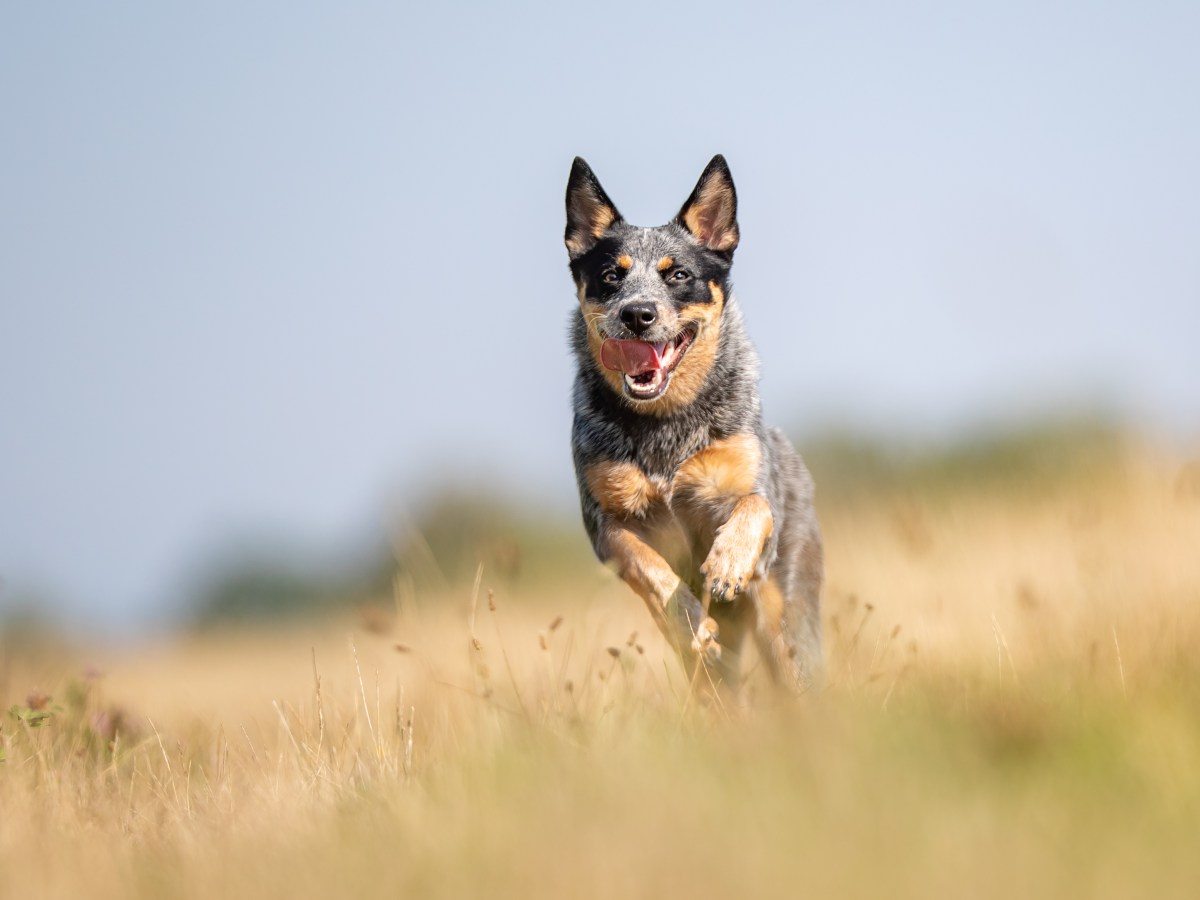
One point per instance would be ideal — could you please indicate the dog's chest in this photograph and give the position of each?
(678, 512)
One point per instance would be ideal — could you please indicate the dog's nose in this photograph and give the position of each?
(637, 317)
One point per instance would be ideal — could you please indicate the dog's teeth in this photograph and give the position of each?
(646, 387)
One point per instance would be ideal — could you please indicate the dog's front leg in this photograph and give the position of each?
(736, 549)
(672, 604)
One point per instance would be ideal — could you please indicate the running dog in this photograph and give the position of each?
(704, 512)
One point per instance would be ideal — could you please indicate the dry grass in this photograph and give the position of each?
(1013, 710)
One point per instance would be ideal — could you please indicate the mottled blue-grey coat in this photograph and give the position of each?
(704, 512)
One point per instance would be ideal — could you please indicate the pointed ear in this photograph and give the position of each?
(710, 214)
(589, 211)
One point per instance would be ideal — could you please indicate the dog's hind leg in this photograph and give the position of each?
(736, 621)
(788, 633)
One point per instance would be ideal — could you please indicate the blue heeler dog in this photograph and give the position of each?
(703, 511)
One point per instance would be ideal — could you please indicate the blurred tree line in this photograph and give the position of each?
(436, 549)
(456, 530)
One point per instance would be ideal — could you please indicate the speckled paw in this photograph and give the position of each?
(728, 571)
(704, 641)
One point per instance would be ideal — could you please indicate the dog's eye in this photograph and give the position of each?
(610, 276)
(680, 275)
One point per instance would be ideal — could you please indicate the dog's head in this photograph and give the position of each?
(652, 299)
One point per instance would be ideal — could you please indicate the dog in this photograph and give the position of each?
(705, 513)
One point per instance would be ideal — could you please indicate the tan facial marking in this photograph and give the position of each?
(692, 371)
(621, 489)
(665, 263)
(592, 314)
(690, 375)
(625, 262)
(724, 470)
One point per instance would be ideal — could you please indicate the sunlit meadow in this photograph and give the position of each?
(1012, 709)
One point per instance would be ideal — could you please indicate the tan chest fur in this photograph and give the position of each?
(678, 516)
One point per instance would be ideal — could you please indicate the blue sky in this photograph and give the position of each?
(276, 268)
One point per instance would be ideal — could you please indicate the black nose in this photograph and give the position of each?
(637, 317)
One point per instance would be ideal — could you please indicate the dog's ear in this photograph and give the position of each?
(589, 211)
(710, 214)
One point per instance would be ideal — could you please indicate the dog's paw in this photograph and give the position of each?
(704, 641)
(728, 569)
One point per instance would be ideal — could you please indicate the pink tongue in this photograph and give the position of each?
(630, 357)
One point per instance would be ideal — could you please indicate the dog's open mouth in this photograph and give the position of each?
(647, 367)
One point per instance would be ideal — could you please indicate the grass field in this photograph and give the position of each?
(1012, 710)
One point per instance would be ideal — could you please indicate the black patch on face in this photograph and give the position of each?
(601, 258)
(684, 283)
